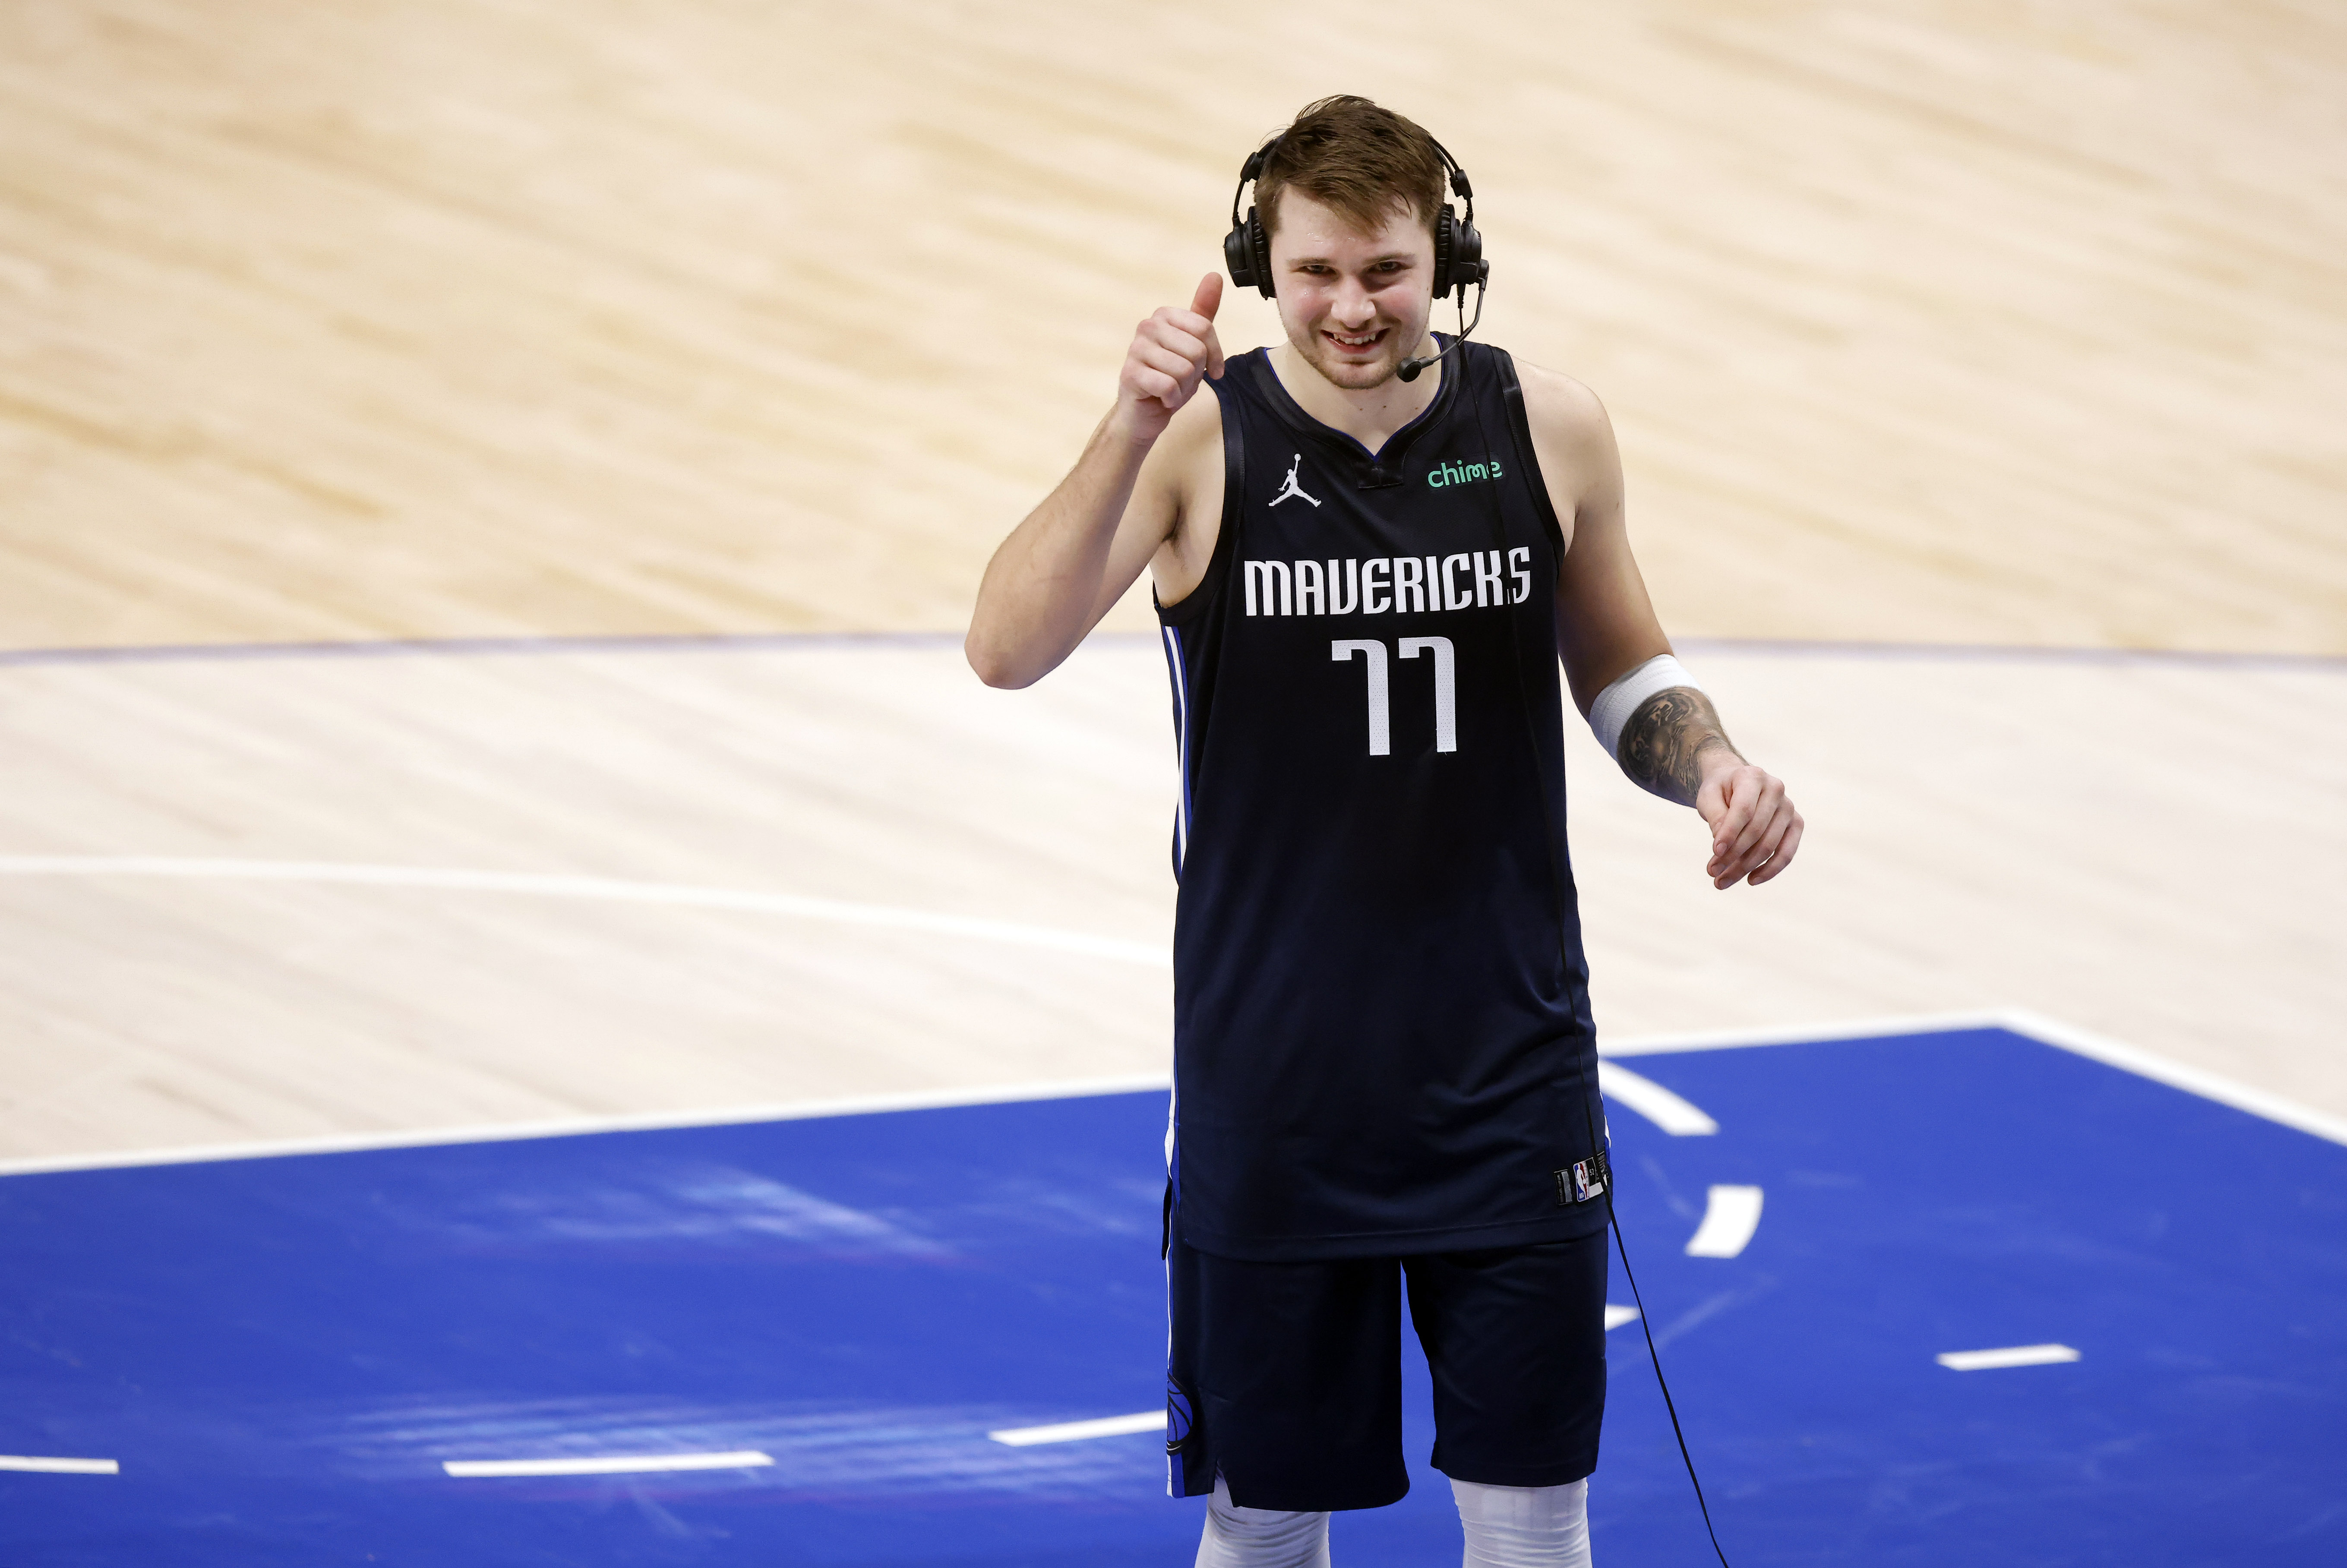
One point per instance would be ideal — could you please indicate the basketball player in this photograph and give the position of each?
(1385, 1068)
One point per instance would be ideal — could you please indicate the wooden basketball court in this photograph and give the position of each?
(1977, 374)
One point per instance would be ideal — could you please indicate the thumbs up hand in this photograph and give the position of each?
(1170, 352)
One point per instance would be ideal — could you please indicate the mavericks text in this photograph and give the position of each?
(1382, 583)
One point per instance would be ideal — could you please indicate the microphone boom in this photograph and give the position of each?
(1410, 368)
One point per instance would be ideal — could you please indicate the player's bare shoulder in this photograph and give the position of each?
(1185, 476)
(1573, 440)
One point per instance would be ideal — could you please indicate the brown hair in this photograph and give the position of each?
(1360, 160)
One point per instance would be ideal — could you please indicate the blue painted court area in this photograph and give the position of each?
(280, 1353)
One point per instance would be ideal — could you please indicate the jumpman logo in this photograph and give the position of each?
(1292, 487)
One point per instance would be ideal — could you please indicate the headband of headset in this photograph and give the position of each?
(1458, 248)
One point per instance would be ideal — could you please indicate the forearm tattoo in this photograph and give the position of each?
(1664, 742)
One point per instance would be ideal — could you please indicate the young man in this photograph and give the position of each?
(1385, 1067)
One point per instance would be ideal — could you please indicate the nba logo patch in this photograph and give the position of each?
(1584, 1180)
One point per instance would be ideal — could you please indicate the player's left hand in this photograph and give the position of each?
(1754, 828)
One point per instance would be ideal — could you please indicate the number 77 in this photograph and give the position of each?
(1446, 687)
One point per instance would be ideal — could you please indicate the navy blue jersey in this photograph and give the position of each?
(1383, 1039)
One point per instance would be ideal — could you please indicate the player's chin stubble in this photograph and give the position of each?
(1351, 375)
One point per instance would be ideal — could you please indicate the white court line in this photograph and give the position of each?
(1652, 1101)
(2027, 1024)
(1076, 1431)
(1693, 1119)
(1730, 1215)
(1801, 1034)
(2011, 1355)
(2176, 1075)
(625, 1464)
(606, 889)
(2030, 1025)
(1617, 1316)
(572, 1126)
(61, 1466)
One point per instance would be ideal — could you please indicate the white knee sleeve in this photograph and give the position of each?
(1524, 1526)
(1260, 1537)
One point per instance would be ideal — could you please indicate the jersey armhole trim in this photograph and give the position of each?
(1519, 431)
(1218, 565)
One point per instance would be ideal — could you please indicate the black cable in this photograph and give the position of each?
(1661, 1382)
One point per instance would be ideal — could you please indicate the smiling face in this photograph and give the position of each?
(1354, 302)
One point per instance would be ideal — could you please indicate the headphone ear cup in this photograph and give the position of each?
(1466, 263)
(1238, 256)
(1259, 245)
(1446, 244)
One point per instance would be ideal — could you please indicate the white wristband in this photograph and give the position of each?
(1611, 712)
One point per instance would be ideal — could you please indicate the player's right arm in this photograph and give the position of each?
(1119, 507)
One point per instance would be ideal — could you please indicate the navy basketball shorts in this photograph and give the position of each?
(1285, 1378)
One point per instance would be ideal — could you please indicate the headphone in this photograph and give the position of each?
(1458, 248)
